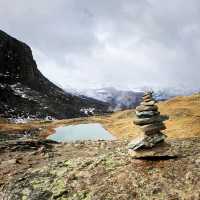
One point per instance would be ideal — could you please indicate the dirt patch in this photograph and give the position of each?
(100, 170)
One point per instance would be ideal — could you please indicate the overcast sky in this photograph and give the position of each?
(121, 43)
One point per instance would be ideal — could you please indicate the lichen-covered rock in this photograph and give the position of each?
(144, 121)
(104, 170)
(145, 141)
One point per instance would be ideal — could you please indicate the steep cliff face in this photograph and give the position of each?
(24, 91)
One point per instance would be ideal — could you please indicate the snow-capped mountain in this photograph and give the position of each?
(126, 99)
(167, 93)
(118, 99)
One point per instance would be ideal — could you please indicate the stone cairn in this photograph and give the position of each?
(150, 122)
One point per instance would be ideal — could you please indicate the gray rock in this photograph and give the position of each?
(162, 150)
(148, 100)
(148, 93)
(146, 108)
(144, 121)
(150, 122)
(144, 114)
(152, 128)
(147, 96)
(150, 103)
(146, 141)
(9, 162)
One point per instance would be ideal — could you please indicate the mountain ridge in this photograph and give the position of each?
(120, 99)
(116, 98)
(25, 91)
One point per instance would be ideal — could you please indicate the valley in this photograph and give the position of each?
(183, 122)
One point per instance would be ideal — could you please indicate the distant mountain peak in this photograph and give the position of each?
(117, 99)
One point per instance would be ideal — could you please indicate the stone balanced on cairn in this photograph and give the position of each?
(150, 122)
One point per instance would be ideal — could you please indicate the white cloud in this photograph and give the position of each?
(118, 43)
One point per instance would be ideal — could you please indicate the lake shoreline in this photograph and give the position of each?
(81, 132)
(47, 128)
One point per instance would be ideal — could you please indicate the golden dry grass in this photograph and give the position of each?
(183, 122)
(183, 112)
(121, 124)
(184, 116)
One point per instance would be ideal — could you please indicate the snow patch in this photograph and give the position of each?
(20, 91)
(2, 85)
(5, 75)
(23, 120)
(87, 111)
(49, 118)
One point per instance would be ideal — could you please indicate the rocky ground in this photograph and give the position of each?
(34, 168)
(41, 169)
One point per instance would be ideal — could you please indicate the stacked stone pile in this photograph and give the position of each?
(150, 122)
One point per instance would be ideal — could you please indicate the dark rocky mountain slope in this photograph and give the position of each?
(24, 91)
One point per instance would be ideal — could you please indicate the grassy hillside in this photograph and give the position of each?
(183, 113)
(184, 116)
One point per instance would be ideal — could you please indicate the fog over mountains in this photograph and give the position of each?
(118, 99)
(126, 99)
